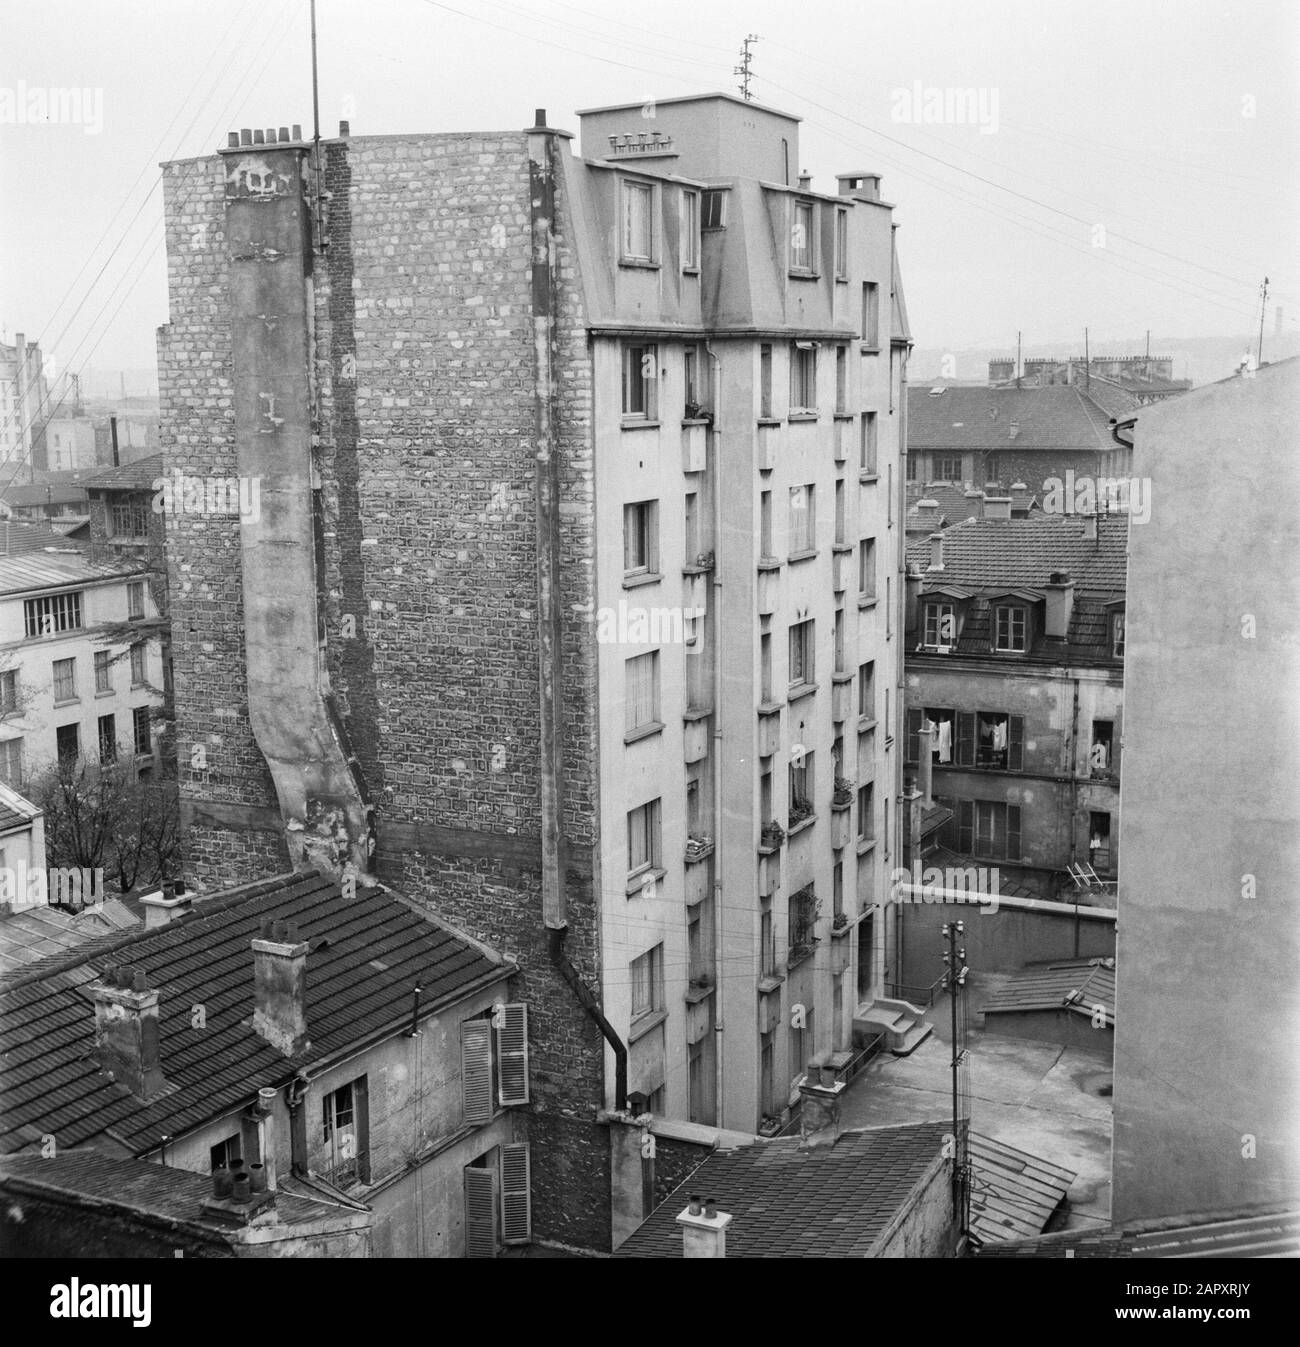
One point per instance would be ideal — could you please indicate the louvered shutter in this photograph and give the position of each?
(1013, 832)
(965, 826)
(914, 722)
(1015, 743)
(480, 1213)
(516, 1194)
(476, 1071)
(966, 738)
(512, 1053)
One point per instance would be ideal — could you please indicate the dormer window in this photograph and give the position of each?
(690, 230)
(940, 626)
(638, 222)
(802, 240)
(1117, 634)
(1010, 628)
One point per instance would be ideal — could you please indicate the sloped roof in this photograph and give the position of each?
(1076, 985)
(59, 569)
(139, 475)
(366, 956)
(33, 934)
(49, 493)
(1268, 1232)
(828, 1202)
(20, 536)
(1013, 1193)
(1057, 417)
(140, 1186)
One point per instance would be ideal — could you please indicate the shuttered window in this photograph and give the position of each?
(516, 1195)
(512, 1047)
(476, 1071)
(914, 721)
(480, 1211)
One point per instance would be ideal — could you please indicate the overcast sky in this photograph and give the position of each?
(1134, 165)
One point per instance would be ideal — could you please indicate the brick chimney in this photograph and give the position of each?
(1089, 528)
(164, 905)
(936, 551)
(1060, 604)
(997, 507)
(819, 1116)
(126, 1030)
(280, 987)
(704, 1229)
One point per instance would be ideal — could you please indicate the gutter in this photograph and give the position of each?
(1117, 424)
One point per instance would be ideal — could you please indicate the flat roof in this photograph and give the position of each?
(689, 98)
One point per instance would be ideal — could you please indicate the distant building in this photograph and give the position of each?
(64, 500)
(1146, 379)
(989, 438)
(1207, 1090)
(70, 443)
(343, 1051)
(24, 403)
(1015, 655)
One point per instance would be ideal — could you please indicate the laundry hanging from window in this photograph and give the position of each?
(943, 741)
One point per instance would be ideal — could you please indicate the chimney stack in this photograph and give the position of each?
(704, 1229)
(997, 507)
(819, 1114)
(913, 584)
(1060, 604)
(936, 551)
(1089, 528)
(126, 1030)
(164, 905)
(280, 987)
(925, 763)
(859, 186)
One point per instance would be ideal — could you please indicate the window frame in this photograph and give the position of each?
(645, 976)
(628, 188)
(11, 752)
(1017, 615)
(939, 609)
(654, 720)
(1117, 632)
(53, 614)
(803, 378)
(651, 813)
(942, 461)
(134, 600)
(139, 656)
(640, 538)
(8, 691)
(640, 389)
(354, 1170)
(803, 225)
(141, 732)
(64, 681)
(871, 315)
(804, 541)
(689, 219)
(713, 201)
(841, 243)
(801, 638)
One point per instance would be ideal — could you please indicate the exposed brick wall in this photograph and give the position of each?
(675, 1162)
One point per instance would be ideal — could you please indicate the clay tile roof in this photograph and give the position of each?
(828, 1202)
(53, 1083)
(138, 475)
(1056, 417)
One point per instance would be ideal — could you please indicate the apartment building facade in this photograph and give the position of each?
(76, 680)
(24, 403)
(512, 631)
(1015, 640)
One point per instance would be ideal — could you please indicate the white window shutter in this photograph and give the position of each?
(476, 1070)
(512, 1047)
(516, 1194)
(480, 1213)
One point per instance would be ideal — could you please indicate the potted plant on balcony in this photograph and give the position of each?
(840, 923)
(843, 791)
(800, 809)
(773, 835)
(698, 845)
(705, 560)
(702, 982)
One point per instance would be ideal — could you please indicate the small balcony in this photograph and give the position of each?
(769, 591)
(767, 446)
(694, 445)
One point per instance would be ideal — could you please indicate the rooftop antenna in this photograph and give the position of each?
(743, 68)
(1263, 301)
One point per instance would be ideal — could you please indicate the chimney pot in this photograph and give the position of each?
(297, 131)
(257, 1178)
(242, 1186)
(711, 1208)
(345, 129)
(284, 134)
(704, 1235)
(540, 117)
(259, 136)
(694, 1206)
(245, 136)
(223, 1183)
(232, 140)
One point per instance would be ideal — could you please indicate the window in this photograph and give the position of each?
(693, 804)
(991, 465)
(802, 237)
(55, 613)
(841, 519)
(11, 762)
(344, 1125)
(803, 921)
(867, 690)
(140, 733)
(103, 671)
(765, 666)
(867, 568)
(837, 642)
(765, 381)
(841, 378)
(699, 965)
(640, 382)
(1117, 634)
(870, 313)
(766, 940)
(65, 680)
(940, 626)
(802, 525)
(765, 547)
(224, 1153)
(988, 829)
(948, 468)
(130, 519)
(647, 974)
(714, 210)
(638, 222)
(1100, 754)
(107, 738)
(135, 599)
(67, 739)
(867, 454)
(801, 788)
(837, 889)
(643, 838)
(803, 378)
(138, 672)
(498, 1199)
(866, 813)
(691, 366)
(841, 244)
(1100, 856)
(699, 1109)
(640, 537)
(911, 467)
(690, 230)
(998, 740)
(8, 691)
(801, 654)
(1010, 627)
(766, 1077)
(642, 691)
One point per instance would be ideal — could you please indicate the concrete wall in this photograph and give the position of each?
(927, 1229)
(1207, 1099)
